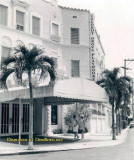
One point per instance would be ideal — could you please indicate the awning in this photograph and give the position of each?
(67, 91)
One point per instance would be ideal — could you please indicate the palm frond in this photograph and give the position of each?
(27, 60)
(4, 76)
(45, 59)
(7, 61)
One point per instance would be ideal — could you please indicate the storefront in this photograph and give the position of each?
(50, 105)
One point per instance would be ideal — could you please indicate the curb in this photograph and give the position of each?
(123, 139)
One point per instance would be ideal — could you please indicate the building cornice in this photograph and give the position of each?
(99, 41)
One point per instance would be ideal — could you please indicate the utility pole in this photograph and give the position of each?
(125, 67)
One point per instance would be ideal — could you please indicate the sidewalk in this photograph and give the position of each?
(90, 141)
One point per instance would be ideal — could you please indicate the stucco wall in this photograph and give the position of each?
(76, 53)
(81, 22)
(100, 57)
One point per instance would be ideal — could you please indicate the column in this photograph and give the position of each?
(20, 118)
(64, 112)
(92, 120)
(101, 118)
(47, 121)
(97, 118)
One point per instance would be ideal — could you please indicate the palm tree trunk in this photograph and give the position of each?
(116, 112)
(30, 145)
(113, 123)
(119, 122)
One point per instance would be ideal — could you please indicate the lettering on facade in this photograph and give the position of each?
(92, 46)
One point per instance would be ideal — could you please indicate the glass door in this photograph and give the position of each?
(25, 123)
(5, 118)
(15, 118)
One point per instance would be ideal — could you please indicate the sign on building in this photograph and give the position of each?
(92, 46)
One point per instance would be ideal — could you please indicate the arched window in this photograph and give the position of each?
(19, 43)
(30, 45)
(6, 48)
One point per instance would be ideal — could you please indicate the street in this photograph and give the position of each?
(124, 151)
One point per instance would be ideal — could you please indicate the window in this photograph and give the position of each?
(15, 118)
(3, 15)
(74, 16)
(55, 33)
(5, 118)
(19, 20)
(5, 52)
(55, 29)
(56, 61)
(36, 26)
(74, 35)
(54, 115)
(75, 68)
(25, 122)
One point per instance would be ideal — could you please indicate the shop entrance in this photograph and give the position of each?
(9, 122)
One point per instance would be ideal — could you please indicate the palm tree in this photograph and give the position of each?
(118, 89)
(124, 95)
(27, 61)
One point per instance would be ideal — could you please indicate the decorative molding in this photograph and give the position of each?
(45, 40)
(47, 123)
(6, 42)
(21, 3)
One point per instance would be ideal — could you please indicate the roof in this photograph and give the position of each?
(65, 91)
(78, 9)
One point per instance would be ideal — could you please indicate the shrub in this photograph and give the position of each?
(57, 131)
(83, 109)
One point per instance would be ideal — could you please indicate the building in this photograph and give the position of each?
(77, 50)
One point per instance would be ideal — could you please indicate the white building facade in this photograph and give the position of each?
(67, 35)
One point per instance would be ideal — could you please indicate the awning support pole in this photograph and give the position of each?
(20, 122)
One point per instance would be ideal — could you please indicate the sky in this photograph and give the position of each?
(114, 21)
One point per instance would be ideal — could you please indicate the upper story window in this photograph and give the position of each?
(55, 32)
(74, 35)
(3, 15)
(75, 68)
(55, 29)
(35, 26)
(19, 20)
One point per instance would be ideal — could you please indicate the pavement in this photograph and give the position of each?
(62, 143)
